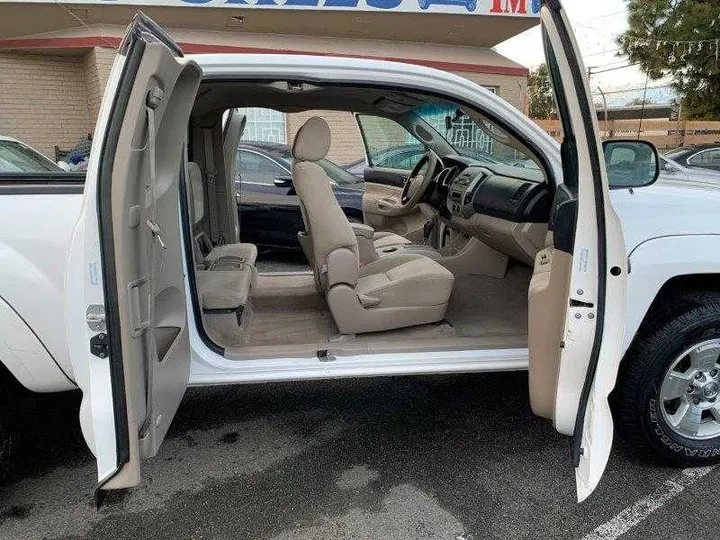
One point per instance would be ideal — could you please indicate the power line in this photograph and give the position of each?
(638, 88)
(609, 51)
(591, 71)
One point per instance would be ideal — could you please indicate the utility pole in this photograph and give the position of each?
(605, 106)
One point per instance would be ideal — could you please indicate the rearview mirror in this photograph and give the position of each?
(631, 163)
(283, 181)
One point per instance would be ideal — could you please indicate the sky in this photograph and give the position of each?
(597, 25)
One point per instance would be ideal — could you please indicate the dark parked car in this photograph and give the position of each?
(705, 156)
(269, 208)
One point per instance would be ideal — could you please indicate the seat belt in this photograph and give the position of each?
(215, 236)
(154, 97)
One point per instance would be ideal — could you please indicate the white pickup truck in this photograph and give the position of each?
(584, 269)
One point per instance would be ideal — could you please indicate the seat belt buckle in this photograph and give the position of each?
(155, 230)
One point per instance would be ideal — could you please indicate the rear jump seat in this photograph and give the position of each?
(224, 275)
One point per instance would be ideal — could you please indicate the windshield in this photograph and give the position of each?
(477, 138)
(675, 153)
(16, 157)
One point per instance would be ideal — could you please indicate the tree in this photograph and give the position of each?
(540, 95)
(680, 39)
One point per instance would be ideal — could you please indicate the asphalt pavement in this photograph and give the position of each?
(449, 457)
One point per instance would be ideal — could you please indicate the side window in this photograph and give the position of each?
(709, 158)
(255, 168)
(389, 144)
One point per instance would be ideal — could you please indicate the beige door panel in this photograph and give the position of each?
(546, 325)
(380, 209)
(148, 250)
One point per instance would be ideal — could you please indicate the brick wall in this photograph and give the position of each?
(511, 89)
(43, 100)
(54, 100)
(97, 64)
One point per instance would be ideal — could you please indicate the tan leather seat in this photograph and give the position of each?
(388, 239)
(391, 292)
(224, 273)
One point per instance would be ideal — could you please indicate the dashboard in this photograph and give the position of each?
(505, 207)
(464, 188)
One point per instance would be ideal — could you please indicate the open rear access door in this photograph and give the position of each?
(125, 267)
(577, 293)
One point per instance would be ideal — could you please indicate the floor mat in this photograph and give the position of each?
(483, 305)
(288, 310)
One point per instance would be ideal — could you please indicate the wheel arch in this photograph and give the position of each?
(24, 358)
(664, 269)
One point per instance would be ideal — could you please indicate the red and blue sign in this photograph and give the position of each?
(511, 8)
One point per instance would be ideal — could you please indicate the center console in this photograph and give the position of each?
(461, 191)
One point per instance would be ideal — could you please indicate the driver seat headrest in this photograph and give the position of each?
(312, 141)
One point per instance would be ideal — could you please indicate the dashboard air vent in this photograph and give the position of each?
(446, 175)
(519, 192)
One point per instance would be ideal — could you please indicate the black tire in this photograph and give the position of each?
(677, 323)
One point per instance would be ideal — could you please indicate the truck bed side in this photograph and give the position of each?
(37, 216)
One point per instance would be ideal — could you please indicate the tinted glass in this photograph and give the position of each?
(478, 138)
(15, 158)
(389, 144)
(676, 153)
(336, 173)
(258, 169)
(708, 158)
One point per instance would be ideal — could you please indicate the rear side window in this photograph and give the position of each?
(708, 158)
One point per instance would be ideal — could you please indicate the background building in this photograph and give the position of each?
(55, 57)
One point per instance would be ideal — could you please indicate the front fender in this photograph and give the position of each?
(654, 262)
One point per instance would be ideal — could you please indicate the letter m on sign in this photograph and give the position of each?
(509, 6)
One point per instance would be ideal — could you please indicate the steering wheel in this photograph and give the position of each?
(417, 182)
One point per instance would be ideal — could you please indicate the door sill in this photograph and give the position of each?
(208, 368)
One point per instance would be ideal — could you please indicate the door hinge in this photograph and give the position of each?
(99, 345)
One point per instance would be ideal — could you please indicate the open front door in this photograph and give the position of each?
(577, 293)
(126, 301)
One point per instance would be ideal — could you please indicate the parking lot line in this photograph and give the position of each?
(640, 510)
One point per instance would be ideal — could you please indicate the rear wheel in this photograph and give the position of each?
(668, 395)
